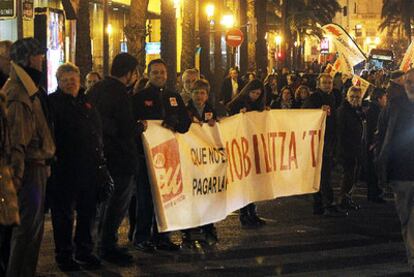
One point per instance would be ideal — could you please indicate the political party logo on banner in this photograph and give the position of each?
(407, 61)
(344, 44)
(167, 167)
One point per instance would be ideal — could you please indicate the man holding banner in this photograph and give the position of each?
(155, 102)
(323, 98)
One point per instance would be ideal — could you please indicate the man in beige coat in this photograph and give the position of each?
(32, 146)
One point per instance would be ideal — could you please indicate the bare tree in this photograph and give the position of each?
(83, 39)
(189, 35)
(204, 34)
(169, 41)
(135, 31)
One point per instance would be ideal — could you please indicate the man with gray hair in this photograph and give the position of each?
(80, 159)
(32, 146)
(189, 77)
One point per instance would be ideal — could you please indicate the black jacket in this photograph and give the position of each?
(350, 131)
(394, 91)
(227, 90)
(388, 121)
(315, 101)
(373, 113)
(154, 103)
(119, 127)
(207, 114)
(78, 135)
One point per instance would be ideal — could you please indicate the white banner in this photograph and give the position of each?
(407, 61)
(344, 44)
(205, 174)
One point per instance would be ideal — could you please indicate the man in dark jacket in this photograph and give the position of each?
(323, 98)
(378, 101)
(155, 102)
(79, 153)
(395, 88)
(396, 158)
(119, 133)
(351, 124)
(231, 86)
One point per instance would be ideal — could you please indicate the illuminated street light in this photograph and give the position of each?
(368, 40)
(278, 40)
(210, 10)
(228, 20)
(377, 40)
(109, 29)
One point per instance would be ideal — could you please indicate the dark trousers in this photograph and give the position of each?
(324, 197)
(350, 175)
(64, 201)
(372, 177)
(5, 237)
(114, 211)
(27, 237)
(145, 227)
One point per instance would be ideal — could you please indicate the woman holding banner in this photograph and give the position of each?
(251, 98)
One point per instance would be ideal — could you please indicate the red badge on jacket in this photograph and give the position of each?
(88, 105)
(148, 103)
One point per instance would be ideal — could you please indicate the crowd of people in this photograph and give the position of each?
(78, 150)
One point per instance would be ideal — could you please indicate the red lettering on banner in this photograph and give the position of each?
(229, 162)
(247, 164)
(273, 136)
(266, 156)
(333, 30)
(292, 151)
(312, 133)
(239, 174)
(282, 151)
(256, 154)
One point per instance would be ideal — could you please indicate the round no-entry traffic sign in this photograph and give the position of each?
(234, 37)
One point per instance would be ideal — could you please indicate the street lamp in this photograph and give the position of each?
(210, 11)
(109, 29)
(278, 40)
(227, 21)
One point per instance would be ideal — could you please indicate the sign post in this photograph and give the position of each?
(7, 9)
(234, 38)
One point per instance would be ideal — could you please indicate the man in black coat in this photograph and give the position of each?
(155, 102)
(323, 98)
(351, 143)
(396, 158)
(119, 134)
(378, 101)
(79, 154)
(395, 88)
(231, 86)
